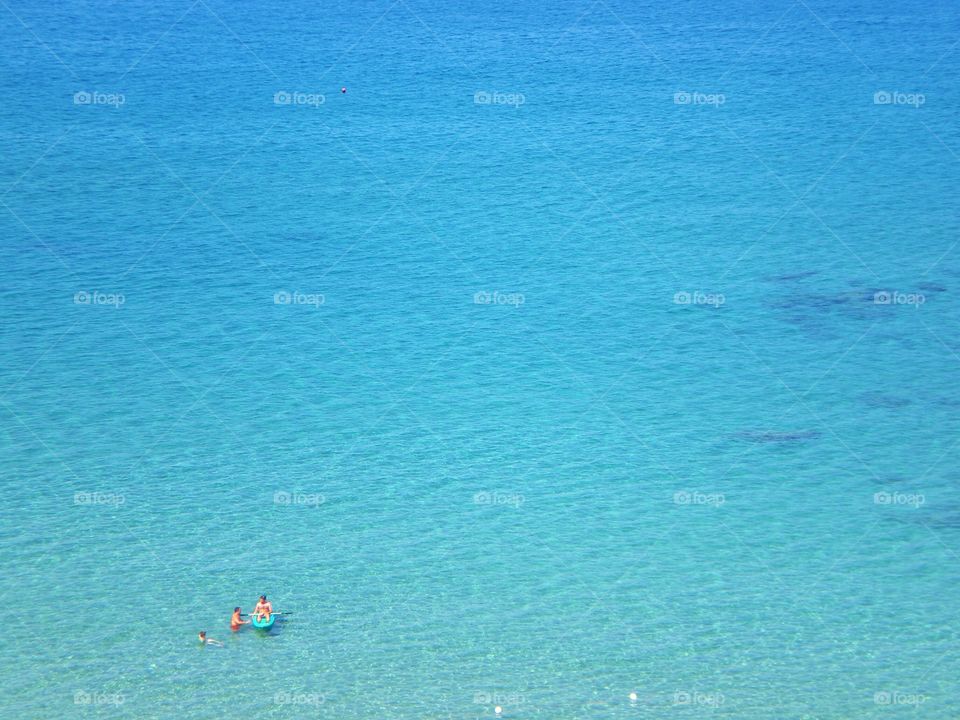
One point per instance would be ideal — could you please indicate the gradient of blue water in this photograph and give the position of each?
(503, 486)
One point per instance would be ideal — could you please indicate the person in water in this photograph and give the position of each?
(263, 610)
(236, 622)
(204, 640)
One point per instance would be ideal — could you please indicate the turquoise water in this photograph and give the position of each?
(488, 454)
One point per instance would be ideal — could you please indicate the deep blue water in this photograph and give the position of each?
(620, 357)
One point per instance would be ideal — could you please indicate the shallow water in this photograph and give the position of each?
(584, 388)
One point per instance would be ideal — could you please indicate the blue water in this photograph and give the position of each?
(487, 455)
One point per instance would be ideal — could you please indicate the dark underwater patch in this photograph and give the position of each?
(944, 521)
(775, 436)
(947, 520)
(881, 400)
(794, 276)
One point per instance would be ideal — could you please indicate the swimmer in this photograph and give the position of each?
(236, 622)
(204, 640)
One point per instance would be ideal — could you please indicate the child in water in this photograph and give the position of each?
(204, 640)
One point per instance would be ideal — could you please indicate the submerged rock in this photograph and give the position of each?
(794, 276)
(877, 399)
(774, 436)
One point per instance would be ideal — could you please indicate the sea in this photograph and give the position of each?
(576, 359)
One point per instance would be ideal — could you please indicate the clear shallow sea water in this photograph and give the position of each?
(548, 505)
